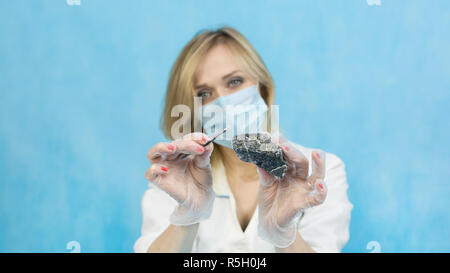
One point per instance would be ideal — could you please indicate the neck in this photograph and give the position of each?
(236, 168)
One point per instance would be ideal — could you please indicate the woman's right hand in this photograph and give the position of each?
(188, 180)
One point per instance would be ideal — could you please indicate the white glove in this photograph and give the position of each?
(282, 201)
(187, 180)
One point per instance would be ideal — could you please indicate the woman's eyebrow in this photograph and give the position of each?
(229, 74)
(223, 77)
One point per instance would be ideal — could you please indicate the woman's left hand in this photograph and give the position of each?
(282, 201)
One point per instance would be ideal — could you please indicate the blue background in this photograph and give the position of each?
(82, 89)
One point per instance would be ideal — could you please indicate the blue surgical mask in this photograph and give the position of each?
(241, 112)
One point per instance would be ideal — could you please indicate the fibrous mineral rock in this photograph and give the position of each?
(259, 149)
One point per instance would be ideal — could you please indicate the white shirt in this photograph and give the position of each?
(325, 227)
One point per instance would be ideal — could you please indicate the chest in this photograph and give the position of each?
(222, 232)
(245, 195)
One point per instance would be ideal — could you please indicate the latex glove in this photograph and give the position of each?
(282, 201)
(188, 180)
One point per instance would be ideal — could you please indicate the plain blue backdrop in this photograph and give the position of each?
(82, 90)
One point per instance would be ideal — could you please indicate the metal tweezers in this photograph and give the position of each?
(206, 144)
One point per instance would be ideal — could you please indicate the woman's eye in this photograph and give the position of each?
(203, 94)
(235, 82)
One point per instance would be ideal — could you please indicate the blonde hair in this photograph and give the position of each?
(180, 88)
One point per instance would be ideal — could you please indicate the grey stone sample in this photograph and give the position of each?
(260, 150)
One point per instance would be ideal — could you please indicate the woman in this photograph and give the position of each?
(211, 201)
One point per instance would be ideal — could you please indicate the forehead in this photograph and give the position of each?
(218, 62)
